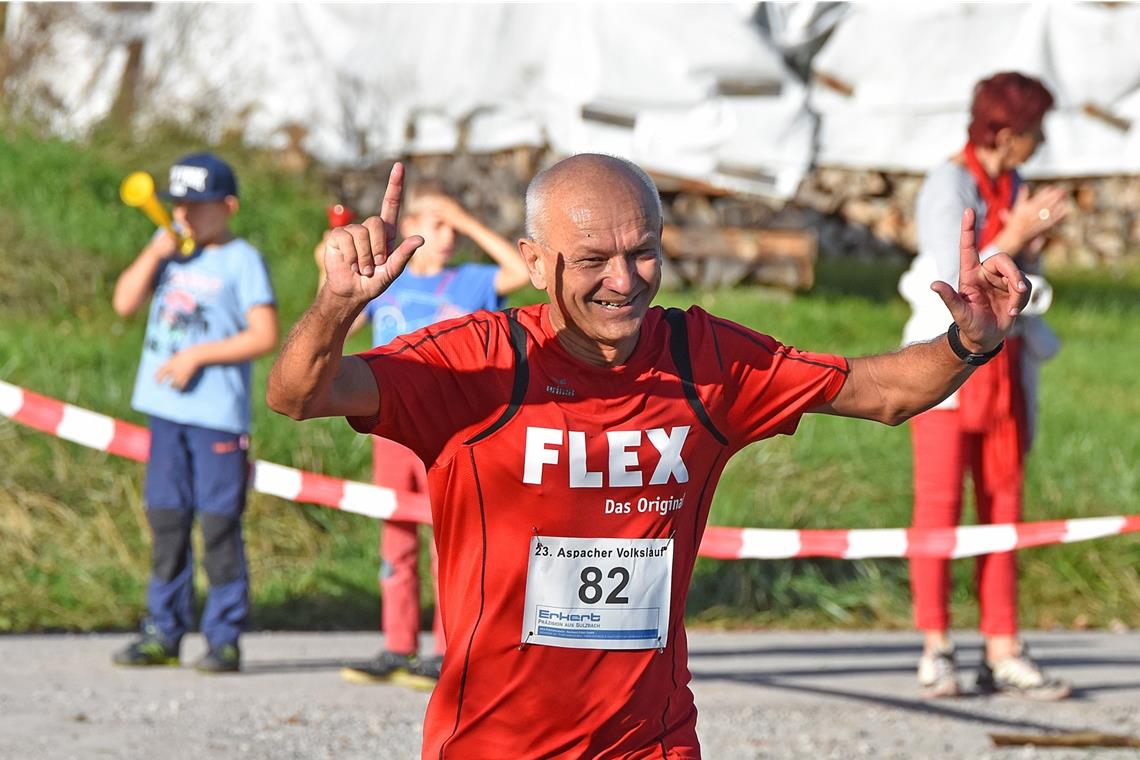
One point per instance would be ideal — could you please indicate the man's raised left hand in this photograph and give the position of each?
(990, 293)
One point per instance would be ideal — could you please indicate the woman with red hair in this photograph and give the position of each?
(985, 428)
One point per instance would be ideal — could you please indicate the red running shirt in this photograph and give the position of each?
(520, 439)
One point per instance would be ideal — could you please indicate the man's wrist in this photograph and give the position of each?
(334, 308)
(973, 358)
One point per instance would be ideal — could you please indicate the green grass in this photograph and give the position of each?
(72, 534)
(846, 473)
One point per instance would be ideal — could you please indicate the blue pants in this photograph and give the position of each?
(194, 470)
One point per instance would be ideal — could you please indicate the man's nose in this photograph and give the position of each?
(619, 274)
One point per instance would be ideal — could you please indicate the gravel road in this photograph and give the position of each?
(760, 695)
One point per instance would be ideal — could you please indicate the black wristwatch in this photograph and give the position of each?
(963, 353)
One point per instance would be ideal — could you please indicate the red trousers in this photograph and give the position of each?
(943, 452)
(395, 466)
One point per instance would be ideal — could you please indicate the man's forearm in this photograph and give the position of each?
(308, 362)
(930, 372)
(892, 388)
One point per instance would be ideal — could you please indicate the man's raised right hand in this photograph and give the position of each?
(362, 260)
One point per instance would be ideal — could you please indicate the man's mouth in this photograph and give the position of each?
(611, 305)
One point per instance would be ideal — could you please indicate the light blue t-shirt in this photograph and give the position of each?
(202, 298)
(415, 301)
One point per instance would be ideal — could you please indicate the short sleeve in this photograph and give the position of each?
(765, 387)
(439, 384)
(254, 287)
(474, 287)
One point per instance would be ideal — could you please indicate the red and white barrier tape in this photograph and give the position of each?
(124, 439)
(941, 543)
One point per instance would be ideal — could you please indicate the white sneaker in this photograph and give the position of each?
(1021, 676)
(938, 674)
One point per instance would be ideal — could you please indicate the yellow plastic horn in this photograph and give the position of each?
(137, 191)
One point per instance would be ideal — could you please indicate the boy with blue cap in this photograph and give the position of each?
(212, 313)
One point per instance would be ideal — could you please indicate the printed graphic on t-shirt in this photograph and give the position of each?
(183, 302)
(408, 312)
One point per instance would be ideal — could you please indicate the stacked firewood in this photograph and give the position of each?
(714, 238)
(1103, 229)
(710, 238)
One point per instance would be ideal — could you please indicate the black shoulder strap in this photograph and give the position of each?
(679, 348)
(522, 378)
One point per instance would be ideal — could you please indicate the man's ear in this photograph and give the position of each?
(232, 204)
(535, 264)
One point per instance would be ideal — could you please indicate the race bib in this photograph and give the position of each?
(598, 593)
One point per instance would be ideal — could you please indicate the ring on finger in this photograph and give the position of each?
(1043, 214)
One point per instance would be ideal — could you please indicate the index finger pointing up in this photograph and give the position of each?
(966, 242)
(393, 195)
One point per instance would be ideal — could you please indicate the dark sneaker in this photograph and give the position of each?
(148, 649)
(221, 659)
(422, 673)
(1021, 676)
(938, 674)
(401, 669)
(379, 669)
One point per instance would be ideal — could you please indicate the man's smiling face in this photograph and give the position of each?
(599, 261)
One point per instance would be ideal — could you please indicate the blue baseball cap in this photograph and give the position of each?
(200, 177)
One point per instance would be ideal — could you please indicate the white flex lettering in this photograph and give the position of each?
(543, 447)
(669, 444)
(580, 475)
(622, 459)
(537, 453)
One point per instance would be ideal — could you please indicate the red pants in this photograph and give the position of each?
(995, 459)
(395, 466)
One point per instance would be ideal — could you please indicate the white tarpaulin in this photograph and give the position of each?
(911, 70)
(688, 90)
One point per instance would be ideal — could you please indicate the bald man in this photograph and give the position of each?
(573, 448)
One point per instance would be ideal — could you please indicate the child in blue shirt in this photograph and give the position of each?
(212, 312)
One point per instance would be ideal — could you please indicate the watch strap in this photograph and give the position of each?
(965, 354)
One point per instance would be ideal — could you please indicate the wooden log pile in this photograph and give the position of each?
(491, 186)
(1103, 228)
(714, 238)
(729, 255)
(711, 238)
